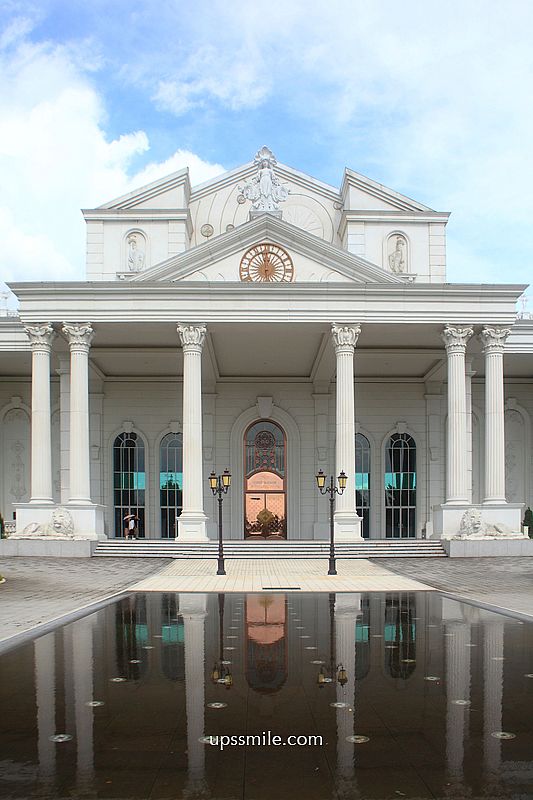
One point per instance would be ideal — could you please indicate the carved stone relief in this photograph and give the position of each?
(514, 456)
(397, 254)
(16, 445)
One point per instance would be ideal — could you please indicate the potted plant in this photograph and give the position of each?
(527, 524)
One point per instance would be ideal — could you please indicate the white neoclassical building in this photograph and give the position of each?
(269, 323)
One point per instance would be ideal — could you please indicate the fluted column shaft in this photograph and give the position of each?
(41, 337)
(79, 337)
(456, 340)
(191, 523)
(344, 340)
(493, 340)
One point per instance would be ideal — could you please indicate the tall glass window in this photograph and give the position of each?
(400, 487)
(362, 482)
(129, 481)
(170, 482)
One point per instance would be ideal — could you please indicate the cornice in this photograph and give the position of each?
(265, 228)
(139, 214)
(399, 217)
(189, 302)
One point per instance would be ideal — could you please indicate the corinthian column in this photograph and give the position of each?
(191, 523)
(347, 523)
(493, 340)
(79, 336)
(41, 337)
(455, 340)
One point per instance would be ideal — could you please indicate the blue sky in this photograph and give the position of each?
(432, 99)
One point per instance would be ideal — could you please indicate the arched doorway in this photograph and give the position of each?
(265, 494)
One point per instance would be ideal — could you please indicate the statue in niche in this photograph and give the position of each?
(136, 253)
(264, 190)
(397, 259)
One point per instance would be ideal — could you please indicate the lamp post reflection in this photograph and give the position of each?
(221, 673)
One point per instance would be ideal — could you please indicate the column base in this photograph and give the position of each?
(347, 527)
(469, 521)
(63, 522)
(192, 527)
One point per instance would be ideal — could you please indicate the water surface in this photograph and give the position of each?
(406, 695)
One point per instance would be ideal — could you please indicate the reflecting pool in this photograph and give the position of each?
(258, 696)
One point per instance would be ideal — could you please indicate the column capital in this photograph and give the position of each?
(493, 338)
(79, 335)
(345, 336)
(41, 336)
(455, 339)
(192, 337)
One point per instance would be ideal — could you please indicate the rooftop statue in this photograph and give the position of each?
(264, 190)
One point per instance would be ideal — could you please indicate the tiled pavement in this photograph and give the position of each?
(253, 575)
(38, 590)
(503, 582)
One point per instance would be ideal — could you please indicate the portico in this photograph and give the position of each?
(276, 345)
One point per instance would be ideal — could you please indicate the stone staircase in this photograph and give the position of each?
(375, 548)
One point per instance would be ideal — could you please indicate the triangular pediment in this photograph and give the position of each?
(361, 193)
(314, 260)
(172, 191)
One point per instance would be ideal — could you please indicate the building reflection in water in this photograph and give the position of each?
(388, 645)
(266, 642)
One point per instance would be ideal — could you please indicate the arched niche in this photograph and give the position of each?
(517, 450)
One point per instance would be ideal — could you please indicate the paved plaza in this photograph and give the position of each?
(38, 591)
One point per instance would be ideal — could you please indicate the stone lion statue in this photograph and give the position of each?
(473, 526)
(61, 526)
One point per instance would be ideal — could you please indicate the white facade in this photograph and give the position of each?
(353, 331)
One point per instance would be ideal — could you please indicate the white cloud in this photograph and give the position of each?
(55, 158)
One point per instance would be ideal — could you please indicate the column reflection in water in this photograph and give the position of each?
(492, 695)
(193, 610)
(82, 662)
(457, 638)
(45, 693)
(347, 609)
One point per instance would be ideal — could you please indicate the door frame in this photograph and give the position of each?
(293, 465)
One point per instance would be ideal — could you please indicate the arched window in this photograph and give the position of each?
(129, 481)
(400, 487)
(265, 504)
(170, 482)
(362, 482)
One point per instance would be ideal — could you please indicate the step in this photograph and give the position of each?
(376, 548)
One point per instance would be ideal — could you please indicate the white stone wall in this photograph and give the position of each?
(152, 407)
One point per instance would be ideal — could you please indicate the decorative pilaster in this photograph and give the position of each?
(192, 522)
(347, 522)
(493, 340)
(455, 340)
(79, 336)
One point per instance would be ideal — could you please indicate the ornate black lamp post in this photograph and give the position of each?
(332, 490)
(219, 485)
